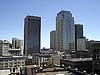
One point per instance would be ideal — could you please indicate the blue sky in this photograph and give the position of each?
(13, 12)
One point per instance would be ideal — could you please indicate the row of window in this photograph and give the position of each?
(16, 64)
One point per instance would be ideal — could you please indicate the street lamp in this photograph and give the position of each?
(69, 67)
(84, 71)
(62, 65)
(76, 69)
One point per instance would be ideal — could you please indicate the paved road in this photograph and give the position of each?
(55, 73)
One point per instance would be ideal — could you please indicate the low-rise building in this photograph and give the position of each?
(56, 58)
(96, 57)
(14, 52)
(80, 63)
(42, 60)
(81, 44)
(12, 62)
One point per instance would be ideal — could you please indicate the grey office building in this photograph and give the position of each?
(53, 40)
(78, 33)
(15, 43)
(65, 31)
(4, 47)
(32, 34)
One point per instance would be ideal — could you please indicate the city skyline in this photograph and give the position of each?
(13, 13)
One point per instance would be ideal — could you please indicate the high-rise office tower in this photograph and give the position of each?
(78, 33)
(65, 31)
(53, 40)
(32, 35)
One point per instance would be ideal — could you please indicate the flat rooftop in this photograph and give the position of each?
(78, 59)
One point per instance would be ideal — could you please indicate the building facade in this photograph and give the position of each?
(53, 40)
(21, 46)
(79, 64)
(96, 56)
(12, 62)
(18, 44)
(81, 44)
(32, 34)
(4, 47)
(78, 33)
(65, 31)
(14, 52)
(15, 43)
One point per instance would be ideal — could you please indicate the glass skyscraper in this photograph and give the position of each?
(78, 33)
(65, 31)
(32, 35)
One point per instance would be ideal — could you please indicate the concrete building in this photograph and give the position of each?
(56, 59)
(89, 44)
(46, 51)
(47, 59)
(81, 44)
(53, 40)
(15, 43)
(78, 33)
(96, 56)
(32, 34)
(4, 47)
(18, 44)
(14, 52)
(28, 70)
(65, 31)
(42, 60)
(77, 64)
(5, 72)
(21, 46)
(12, 62)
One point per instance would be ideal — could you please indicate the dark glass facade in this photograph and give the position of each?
(32, 32)
(78, 33)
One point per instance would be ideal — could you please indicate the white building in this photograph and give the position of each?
(81, 44)
(4, 47)
(65, 31)
(5, 72)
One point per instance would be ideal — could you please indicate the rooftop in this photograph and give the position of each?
(79, 59)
